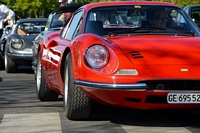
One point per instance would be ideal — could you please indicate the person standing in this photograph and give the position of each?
(62, 3)
(67, 15)
(4, 10)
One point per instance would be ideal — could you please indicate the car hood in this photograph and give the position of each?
(30, 38)
(160, 50)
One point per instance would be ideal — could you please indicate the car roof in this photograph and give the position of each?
(117, 3)
(70, 8)
(31, 20)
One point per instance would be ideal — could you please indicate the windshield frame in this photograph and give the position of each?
(193, 27)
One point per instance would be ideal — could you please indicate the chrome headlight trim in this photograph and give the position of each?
(97, 56)
(16, 43)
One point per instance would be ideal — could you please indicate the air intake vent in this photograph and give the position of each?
(136, 54)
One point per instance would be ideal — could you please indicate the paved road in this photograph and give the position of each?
(22, 112)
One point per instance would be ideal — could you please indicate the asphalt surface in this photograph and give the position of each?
(22, 112)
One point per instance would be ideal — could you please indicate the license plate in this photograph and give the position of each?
(183, 97)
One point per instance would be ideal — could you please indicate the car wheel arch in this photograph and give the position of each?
(66, 52)
(4, 45)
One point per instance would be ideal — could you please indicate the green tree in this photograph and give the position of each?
(181, 3)
(31, 8)
(42, 8)
(89, 1)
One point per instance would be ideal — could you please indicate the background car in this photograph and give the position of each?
(96, 58)
(6, 32)
(54, 23)
(194, 12)
(16, 47)
(7, 29)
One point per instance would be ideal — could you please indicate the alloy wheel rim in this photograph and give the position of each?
(5, 60)
(66, 87)
(38, 79)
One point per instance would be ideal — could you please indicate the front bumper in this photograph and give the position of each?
(21, 58)
(132, 95)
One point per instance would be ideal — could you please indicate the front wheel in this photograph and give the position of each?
(2, 66)
(77, 106)
(44, 93)
(10, 66)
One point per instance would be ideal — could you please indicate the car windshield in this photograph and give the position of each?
(7, 29)
(143, 19)
(57, 20)
(30, 28)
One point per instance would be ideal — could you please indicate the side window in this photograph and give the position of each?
(195, 15)
(64, 31)
(175, 16)
(57, 20)
(77, 32)
(70, 32)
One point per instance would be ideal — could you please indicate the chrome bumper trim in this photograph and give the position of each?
(96, 85)
(19, 55)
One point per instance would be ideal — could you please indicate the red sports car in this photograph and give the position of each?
(129, 54)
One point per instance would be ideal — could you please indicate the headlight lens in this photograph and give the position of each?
(16, 43)
(97, 56)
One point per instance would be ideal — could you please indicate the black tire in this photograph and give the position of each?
(10, 66)
(44, 93)
(2, 66)
(77, 106)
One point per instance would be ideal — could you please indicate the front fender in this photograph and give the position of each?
(78, 48)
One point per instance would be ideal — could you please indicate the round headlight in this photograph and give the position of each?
(97, 56)
(16, 43)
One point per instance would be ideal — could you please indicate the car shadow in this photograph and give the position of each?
(25, 69)
(148, 118)
(22, 69)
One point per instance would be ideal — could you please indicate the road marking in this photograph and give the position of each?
(31, 123)
(151, 129)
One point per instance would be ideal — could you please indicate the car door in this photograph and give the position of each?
(56, 52)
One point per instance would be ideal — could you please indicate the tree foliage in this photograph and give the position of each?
(31, 8)
(42, 8)
(89, 1)
(182, 3)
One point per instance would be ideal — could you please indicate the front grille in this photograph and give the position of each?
(173, 84)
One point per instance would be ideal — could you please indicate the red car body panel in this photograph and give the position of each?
(158, 57)
(134, 99)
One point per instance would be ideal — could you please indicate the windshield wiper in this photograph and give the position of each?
(186, 32)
